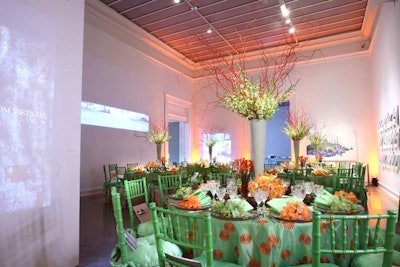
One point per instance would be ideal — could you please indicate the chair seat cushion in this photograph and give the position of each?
(203, 261)
(374, 260)
(145, 253)
(146, 228)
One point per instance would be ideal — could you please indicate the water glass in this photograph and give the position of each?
(231, 190)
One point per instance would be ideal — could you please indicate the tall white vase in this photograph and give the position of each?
(258, 131)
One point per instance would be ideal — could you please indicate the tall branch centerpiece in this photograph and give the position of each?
(158, 134)
(255, 94)
(298, 126)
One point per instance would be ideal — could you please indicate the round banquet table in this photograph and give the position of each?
(266, 241)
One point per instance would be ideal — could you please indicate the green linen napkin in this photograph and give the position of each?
(324, 200)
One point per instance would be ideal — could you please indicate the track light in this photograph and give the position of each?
(284, 10)
(177, 1)
(209, 30)
(291, 30)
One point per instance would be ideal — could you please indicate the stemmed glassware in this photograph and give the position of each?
(231, 190)
(318, 190)
(298, 191)
(221, 192)
(260, 196)
(213, 185)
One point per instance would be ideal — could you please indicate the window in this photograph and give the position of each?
(221, 150)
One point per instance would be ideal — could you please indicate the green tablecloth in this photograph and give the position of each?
(267, 241)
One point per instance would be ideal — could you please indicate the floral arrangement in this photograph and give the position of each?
(158, 134)
(140, 169)
(316, 139)
(303, 160)
(298, 124)
(244, 168)
(210, 141)
(151, 165)
(266, 181)
(256, 97)
(173, 169)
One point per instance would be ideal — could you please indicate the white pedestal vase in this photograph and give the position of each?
(258, 138)
(296, 148)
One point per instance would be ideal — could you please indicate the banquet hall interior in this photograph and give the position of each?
(65, 62)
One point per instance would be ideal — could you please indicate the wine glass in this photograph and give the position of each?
(318, 190)
(221, 192)
(205, 188)
(231, 190)
(298, 191)
(213, 184)
(258, 198)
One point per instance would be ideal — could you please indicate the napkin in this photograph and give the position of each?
(246, 205)
(277, 204)
(324, 200)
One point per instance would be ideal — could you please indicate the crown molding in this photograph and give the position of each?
(104, 18)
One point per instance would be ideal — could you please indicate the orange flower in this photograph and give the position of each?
(254, 263)
(265, 248)
(273, 240)
(218, 254)
(305, 239)
(245, 238)
(224, 236)
(285, 255)
(229, 227)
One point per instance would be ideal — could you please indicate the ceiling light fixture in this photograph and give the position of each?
(177, 1)
(284, 10)
(292, 30)
(288, 21)
(209, 30)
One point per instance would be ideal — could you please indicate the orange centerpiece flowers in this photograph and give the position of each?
(266, 181)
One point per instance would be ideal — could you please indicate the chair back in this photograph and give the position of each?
(134, 189)
(188, 230)
(112, 172)
(105, 174)
(116, 201)
(222, 177)
(353, 183)
(363, 242)
(121, 172)
(167, 183)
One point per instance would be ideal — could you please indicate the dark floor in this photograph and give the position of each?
(97, 225)
(97, 231)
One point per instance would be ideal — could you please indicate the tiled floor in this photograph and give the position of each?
(97, 225)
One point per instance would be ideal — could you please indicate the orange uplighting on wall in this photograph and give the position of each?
(195, 155)
(373, 165)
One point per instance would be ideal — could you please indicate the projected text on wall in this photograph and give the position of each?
(26, 107)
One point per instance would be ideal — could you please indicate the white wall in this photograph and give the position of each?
(336, 92)
(385, 69)
(49, 235)
(117, 75)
